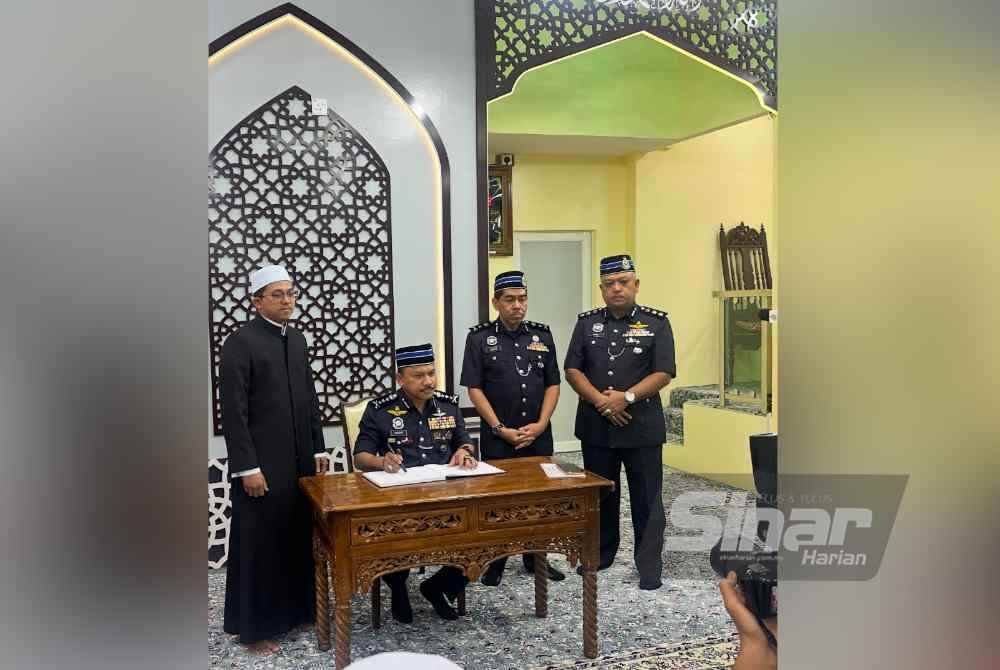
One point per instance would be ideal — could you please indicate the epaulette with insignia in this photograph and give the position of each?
(654, 312)
(477, 328)
(441, 395)
(538, 326)
(378, 402)
(590, 313)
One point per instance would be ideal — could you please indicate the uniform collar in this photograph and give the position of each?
(628, 315)
(499, 327)
(430, 404)
(273, 325)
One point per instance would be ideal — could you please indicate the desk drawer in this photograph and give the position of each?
(531, 512)
(391, 527)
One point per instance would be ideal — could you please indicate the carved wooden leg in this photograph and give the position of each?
(541, 586)
(343, 589)
(377, 603)
(342, 631)
(589, 611)
(322, 595)
(461, 602)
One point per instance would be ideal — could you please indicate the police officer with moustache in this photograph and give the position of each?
(512, 373)
(619, 358)
(413, 426)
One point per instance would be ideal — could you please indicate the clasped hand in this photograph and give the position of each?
(522, 437)
(612, 407)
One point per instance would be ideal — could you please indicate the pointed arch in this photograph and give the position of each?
(289, 11)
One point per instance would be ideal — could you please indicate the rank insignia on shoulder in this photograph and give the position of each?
(588, 313)
(538, 326)
(441, 395)
(480, 326)
(654, 312)
(381, 400)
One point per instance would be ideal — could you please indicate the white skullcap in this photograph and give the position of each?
(403, 659)
(267, 275)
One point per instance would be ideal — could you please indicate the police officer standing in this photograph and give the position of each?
(413, 426)
(619, 358)
(512, 373)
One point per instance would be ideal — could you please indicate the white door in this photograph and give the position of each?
(557, 270)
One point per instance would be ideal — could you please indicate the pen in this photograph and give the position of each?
(396, 451)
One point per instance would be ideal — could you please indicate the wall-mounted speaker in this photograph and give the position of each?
(506, 160)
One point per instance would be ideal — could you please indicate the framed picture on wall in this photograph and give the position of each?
(499, 217)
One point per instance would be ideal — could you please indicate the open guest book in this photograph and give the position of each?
(428, 473)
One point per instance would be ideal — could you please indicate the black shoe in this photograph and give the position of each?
(579, 568)
(401, 610)
(493, 574)
(437, 599)
(650, 584)
(554, 575)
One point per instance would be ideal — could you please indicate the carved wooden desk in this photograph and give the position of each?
(361, 532)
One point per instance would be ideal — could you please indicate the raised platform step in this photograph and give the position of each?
(673, 414)
(709, 395)
(675, 421)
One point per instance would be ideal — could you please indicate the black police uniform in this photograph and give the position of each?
(513, 370)
(617, 354)
(392, 422)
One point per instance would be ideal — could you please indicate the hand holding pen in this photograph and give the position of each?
(393, 461)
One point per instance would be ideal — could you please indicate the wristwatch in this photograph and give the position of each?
(629, 397)
(497, 428)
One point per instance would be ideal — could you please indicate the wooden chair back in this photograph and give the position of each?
(745, 264)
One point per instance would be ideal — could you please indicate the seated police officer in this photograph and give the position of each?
(413, 426)
(512, 373)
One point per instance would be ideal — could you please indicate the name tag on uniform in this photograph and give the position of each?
(441, 422)
(538, 346)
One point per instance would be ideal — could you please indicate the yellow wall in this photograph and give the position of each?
(716, 445)
(682, 195)
(569, 193)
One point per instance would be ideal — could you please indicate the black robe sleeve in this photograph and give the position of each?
(316, 416)
(234, 389)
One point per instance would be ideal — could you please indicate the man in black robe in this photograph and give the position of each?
(271, 422)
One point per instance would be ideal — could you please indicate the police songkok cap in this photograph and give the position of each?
(510, 279)
(421, 354)
(614, 264)
(267, 275)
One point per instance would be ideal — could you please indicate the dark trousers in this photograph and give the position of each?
(644, 472)
(493, 448)
(449, 580)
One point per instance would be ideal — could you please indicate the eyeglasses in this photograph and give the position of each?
(291, 294)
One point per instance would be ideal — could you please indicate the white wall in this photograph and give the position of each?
(431, 51)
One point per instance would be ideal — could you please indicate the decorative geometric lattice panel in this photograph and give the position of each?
(739, 36)
(309, 192)
(220, 511)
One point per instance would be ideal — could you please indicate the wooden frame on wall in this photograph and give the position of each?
(499, 211)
